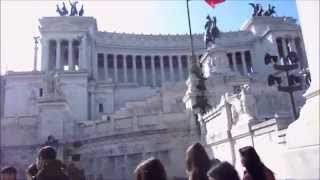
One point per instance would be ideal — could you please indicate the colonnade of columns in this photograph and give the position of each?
(146, 70)
(289, 43)
(240, 61)
(62, 54)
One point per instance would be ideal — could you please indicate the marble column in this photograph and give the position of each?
(233, 59)
(93, 112)
(134, 66)
(35, 59)
(115, 68)
(44, 54)
(162, 69)
(70, 55)
(58, 55)
(153, 70)
(106, 67)
(244, 63)
(83, 59)
(143, 70)
(180, 68)
(125, 68)
(171, 69)
(284, 47)
(189, 58)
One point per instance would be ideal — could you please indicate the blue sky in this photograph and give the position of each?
(19, 20)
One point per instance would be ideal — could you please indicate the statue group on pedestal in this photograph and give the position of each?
(259, 11)
(73, 9)
(211, 31)
(52, 85)
(243, 103)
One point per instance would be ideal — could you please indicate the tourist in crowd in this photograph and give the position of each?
(197, 162)
(75, 173)
(255, 169)
(223, 171)
(32, 171)
(215, 161)
(48, 167)
(150, 169)
(8, 173)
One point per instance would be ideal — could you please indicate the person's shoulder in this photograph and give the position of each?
(269, 174)
(246, 176)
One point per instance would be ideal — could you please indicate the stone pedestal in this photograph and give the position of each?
(54, 122)
(302, 156)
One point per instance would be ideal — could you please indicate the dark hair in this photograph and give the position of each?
(251, 161)
(8, 170)
(48, 152)
(32, 169)
(223, 171)
(150, 169)
(197, 162)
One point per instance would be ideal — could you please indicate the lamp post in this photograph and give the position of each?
(293, 82)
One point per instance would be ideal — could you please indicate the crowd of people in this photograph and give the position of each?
(198, 167)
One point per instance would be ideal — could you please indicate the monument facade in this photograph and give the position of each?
(108, 100)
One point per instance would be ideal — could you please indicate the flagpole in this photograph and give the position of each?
(190, 34)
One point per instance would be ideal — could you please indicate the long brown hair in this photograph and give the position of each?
(197, 162)
(252, 163)
(223, 171)
(150, 169)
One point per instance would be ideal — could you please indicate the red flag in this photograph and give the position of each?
(212, 3)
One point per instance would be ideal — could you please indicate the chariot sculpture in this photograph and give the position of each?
(73, 9)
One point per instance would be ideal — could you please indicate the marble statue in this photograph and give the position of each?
(248, 101)
(235, 107)
(52, 85)
(57, 85)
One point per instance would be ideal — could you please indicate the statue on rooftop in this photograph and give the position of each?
(59, 10)
(73, 10)
(212, 31)
(207, 27)
(63, 11)
(81, 12)
(270, 11)
(255, 7)
(261, 10)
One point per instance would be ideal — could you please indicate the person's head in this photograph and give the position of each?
(8, 173)
(32, 170)
(251, 161)
(46, 153)
(223, 171)
(214, 161)
(150, 169)
(197, 161)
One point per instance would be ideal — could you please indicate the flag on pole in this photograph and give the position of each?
(212, 3)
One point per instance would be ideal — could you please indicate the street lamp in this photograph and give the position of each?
(294, 82)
